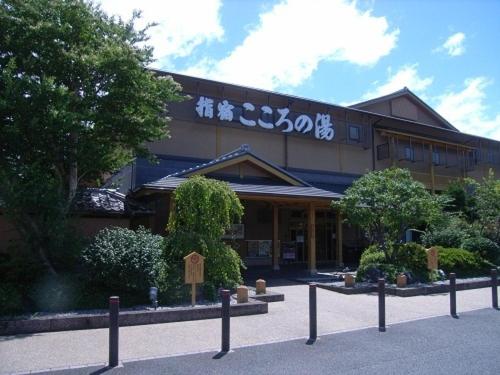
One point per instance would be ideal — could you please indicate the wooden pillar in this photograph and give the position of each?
(338, 236)
(276, 242)
(311, 231)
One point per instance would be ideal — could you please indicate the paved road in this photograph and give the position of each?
(442, 345)
(285, 321)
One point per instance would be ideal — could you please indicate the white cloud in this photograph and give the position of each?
(405, 76)
(467, 110)
(182, 24)
(454, 45)
(294, 36)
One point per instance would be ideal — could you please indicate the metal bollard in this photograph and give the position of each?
(114, 311)
(494, 290)
(453, 295)
(225, 295)
(381, 305)
(313, 323)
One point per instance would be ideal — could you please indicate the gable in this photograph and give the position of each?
(249, 165)
(404, 104)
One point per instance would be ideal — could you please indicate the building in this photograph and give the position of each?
(287, 158)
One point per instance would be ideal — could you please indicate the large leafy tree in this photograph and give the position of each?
(76, 101)
(386, 203)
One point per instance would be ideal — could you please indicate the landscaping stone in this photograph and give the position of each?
(242, 294)
(349, 281)
(401, 281)
(260, 286)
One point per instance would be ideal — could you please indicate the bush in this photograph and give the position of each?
(449, 237)
(462, 262)
(373, 265)
(411, 257)
(450, 232)
(125, 262)
(485, 247)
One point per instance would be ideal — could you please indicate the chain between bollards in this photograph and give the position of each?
(313, 321)
(114, 311)
(453, 295)
(494, 288)
(381, 305)
(226, 296)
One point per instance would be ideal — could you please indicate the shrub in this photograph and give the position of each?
(462, 262)
(485, 247)
(411, 257)
(373, 265)
(121, 260)
(408, 258)
(450, 232)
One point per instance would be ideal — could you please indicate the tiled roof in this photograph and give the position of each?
(171, 183)
(105, 202)
(242, 150)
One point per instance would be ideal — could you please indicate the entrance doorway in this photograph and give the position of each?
(294, 236)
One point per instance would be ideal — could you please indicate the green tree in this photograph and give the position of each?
(488, 204)
(386, 203)
(76, 101)
(462, 194)
(204, 210)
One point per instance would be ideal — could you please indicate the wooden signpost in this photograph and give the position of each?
(432, 259)
(193, 272)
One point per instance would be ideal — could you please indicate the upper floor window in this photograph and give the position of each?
(409, 153)
(354, 133)
(436, 158)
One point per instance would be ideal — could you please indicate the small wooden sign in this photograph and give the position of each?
(194, 272)
(432, 258)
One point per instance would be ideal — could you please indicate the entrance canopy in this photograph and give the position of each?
(249, 191)
(249, 176)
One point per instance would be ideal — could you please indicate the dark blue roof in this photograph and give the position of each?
(171, 183)
(168, 165)
(241, 151)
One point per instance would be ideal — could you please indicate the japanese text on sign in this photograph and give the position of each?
(193, 268)
(322, 124)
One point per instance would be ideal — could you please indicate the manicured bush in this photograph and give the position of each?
(121, 260)
(463, 262)
(411, 257)
(485, 247)
(450, 231)
(373, 264)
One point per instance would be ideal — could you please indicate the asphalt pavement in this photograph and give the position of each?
(440, 345)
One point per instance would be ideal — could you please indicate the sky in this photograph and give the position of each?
(338, 51)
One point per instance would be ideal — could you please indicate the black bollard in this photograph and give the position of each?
(225, 295)
(453, 295)
(381, 305)
(494, 290)
(114, 311)
(313, 321)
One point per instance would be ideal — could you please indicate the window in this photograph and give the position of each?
(409, 153)
(383, 151)
(436, 158)
(354, 133)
